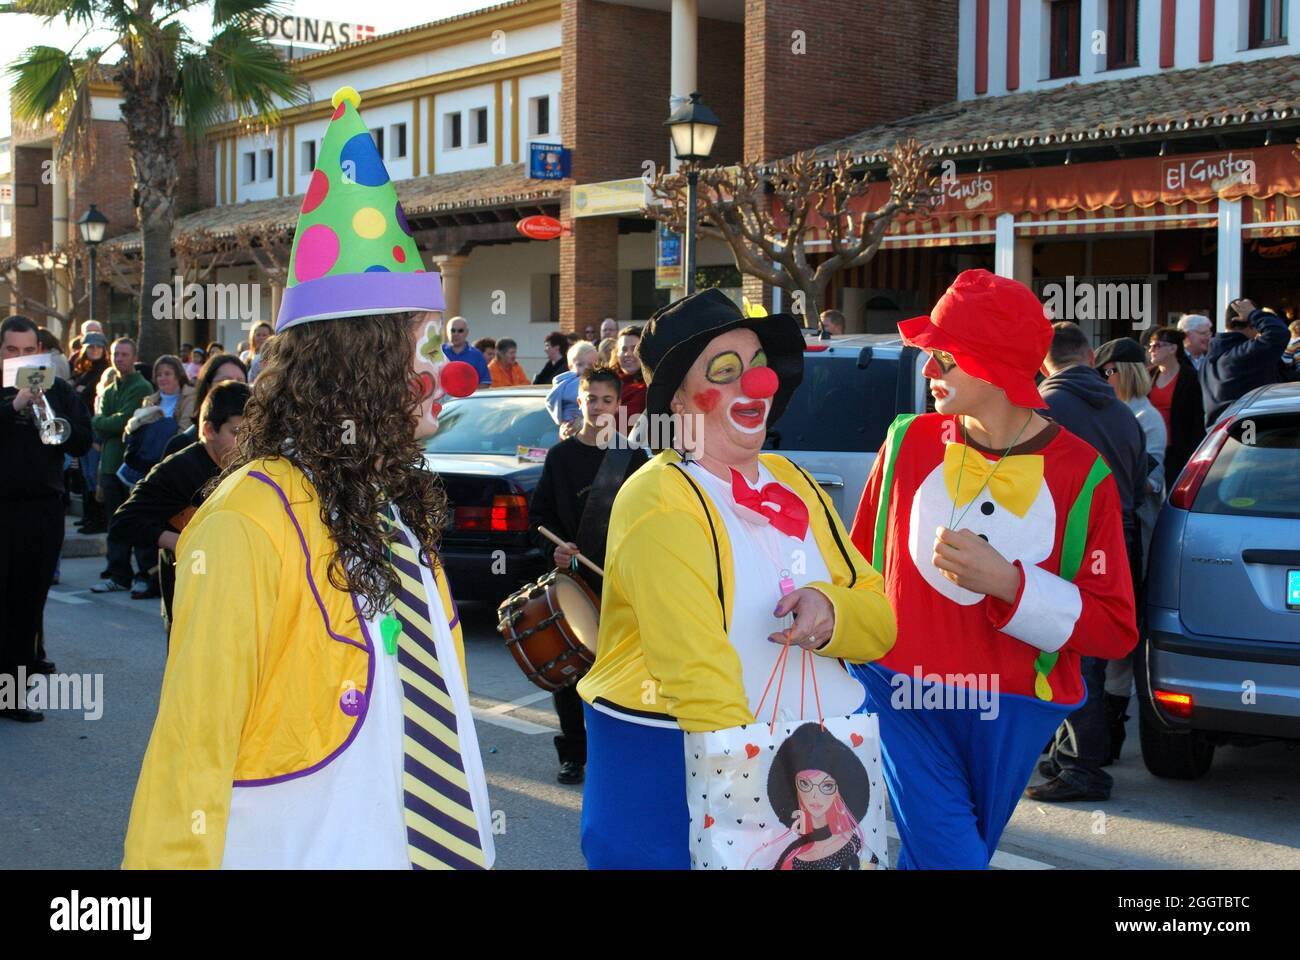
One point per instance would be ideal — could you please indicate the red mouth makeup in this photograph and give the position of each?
(939, 392)
(749, 415)
(423, 385)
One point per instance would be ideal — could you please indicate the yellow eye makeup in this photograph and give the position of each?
(727, 367)
(724, 368)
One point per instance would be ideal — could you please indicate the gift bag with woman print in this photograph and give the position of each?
(780, 795)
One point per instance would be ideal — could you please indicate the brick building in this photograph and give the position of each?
(455, 104)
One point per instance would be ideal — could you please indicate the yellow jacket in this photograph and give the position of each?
(662, 649)
(268, 669)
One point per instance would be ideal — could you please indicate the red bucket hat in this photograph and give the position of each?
(995, 329)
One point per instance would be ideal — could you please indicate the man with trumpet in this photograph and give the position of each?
(37, 428)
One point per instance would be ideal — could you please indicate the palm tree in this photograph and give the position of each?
(166, 76)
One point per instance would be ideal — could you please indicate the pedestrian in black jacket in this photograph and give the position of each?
(559, 504)
(1245, 356)
(557, 347)
(1176, 393)
(31, 511)
(161, 504)
(1080, 400)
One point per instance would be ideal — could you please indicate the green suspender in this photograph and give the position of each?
(893, 440)
(1076, 536)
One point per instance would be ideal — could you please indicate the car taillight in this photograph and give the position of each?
(1193, 475)
(508, 514)
(1177, 705)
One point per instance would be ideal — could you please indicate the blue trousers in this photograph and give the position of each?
(954, 775)
(634, 814)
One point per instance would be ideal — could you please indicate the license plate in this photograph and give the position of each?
(1293, 589)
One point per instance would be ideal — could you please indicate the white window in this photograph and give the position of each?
(248, 167)
(308, 157)
(6, 220)
(6, 162)
(539, 116)
(451, 131)
(479, 125)
(268, 164)
(397, 141)
(377, 135)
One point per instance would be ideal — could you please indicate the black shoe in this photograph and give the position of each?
(94, 527)
(22, 716)
(1057, 790)
(1049, 768)
(570, 772)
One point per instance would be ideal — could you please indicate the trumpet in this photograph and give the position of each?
(54, 430)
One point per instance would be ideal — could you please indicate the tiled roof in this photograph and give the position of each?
(420, 196)
(1092, 114)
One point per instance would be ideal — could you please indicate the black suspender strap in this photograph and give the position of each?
(717, 554)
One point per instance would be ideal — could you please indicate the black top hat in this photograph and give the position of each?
(677, 334)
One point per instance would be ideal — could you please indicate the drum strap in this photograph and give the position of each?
(593, 526)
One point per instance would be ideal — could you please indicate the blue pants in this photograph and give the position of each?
(954, 775)
(634, 814)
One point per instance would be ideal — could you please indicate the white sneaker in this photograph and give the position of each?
(108, 586)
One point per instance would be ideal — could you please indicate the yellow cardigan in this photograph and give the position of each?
(662, 650)
(268, 669)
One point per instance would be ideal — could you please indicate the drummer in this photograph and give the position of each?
(713, 565)
(562, 503)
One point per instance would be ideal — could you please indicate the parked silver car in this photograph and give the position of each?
(1223, 592)
(853, 387)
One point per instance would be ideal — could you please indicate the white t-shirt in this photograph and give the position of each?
(349, 813)
(759, 554)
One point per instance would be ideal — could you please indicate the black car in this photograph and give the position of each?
(488, 451)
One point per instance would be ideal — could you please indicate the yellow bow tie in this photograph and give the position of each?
(1014, 485)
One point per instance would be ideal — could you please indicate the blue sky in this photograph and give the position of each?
(18, 32)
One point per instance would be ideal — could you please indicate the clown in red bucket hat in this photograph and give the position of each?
(1000, 540)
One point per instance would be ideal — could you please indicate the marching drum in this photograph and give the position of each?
(550, 629)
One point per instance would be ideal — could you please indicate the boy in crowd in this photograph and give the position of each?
(572, 500)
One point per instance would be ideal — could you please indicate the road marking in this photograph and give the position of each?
(1001, 859)
(497, 713)
(62, 597)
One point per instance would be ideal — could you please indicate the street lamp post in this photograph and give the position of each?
(693, 127)
(92, 225)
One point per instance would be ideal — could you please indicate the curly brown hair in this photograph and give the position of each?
(335, 399)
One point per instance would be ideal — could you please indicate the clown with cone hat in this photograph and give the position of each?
(314, 709)
(718, 559)
(1000, 539)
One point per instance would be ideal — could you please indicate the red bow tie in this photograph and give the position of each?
(788, 512)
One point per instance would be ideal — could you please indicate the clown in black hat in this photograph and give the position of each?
(1000, 539)
(717, 556)
(315, 709)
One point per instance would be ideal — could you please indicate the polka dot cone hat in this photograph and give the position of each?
(353, 253)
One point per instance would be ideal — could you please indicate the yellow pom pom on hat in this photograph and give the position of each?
(354, 254)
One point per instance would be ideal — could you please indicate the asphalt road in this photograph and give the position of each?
(68, 781)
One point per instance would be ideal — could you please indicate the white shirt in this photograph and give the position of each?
(349, 813)
(759, 554)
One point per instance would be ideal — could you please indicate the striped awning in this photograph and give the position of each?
(1186, 215)
(1258, 214)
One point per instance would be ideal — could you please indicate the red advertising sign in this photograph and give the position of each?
(541, 228)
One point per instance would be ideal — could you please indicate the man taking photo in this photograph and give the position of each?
(31, 509)
(1243, 357)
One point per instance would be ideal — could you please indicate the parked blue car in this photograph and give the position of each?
(1223, 592)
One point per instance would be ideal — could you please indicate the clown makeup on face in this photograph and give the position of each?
(955, 391)
(731, 422)
(429, 360)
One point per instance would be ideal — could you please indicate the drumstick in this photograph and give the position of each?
(560, 543)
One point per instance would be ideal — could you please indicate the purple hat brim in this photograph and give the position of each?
(359, 294)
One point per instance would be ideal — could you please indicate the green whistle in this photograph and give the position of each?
(389, 628)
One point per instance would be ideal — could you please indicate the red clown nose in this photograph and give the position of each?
(459, 378)
(759, 382)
